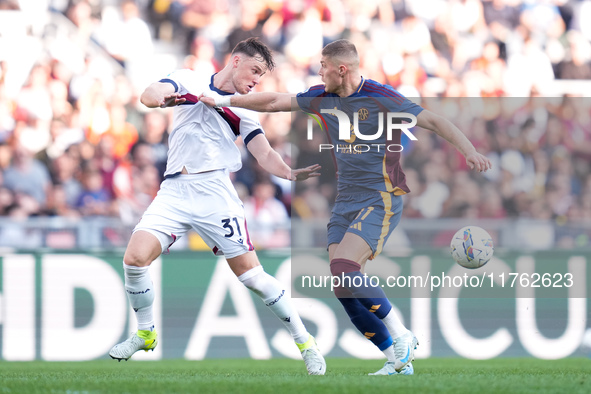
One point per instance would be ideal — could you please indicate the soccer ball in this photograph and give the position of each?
(472, 247)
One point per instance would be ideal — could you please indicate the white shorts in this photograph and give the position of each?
(206, 203)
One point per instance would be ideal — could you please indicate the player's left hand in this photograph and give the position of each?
(301, 174)
(478, 162)
(207, 100)
(214, 99)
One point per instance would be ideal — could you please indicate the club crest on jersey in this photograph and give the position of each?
(363, 113)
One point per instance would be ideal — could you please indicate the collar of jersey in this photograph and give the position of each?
(216, 89)
(357, 92)
(354, 94)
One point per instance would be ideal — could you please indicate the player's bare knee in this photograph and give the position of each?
(243, 263)
(136, 258)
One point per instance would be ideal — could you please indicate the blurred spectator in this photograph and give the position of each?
(7, 121)
(542, 19)
(27, 175)
(13, 233)
(492, 204)
(466, 16)
(303, 37)
(65, 174)
(581, 14)
(504, 13)
(576, 121)
(155, 134)
(210, 19)
(62, 137)
(251, 18)
(309, 203)
(267, 217)
(6, 200)
(94, 200)
(528, 70)
(6, 154)
(120, 133)
(58, 204)
(135, 182)
(9, 5)
(464, 197)
(80, 13)
(128, 39)
(577, 65)
(202, 57)
(434, 194)
(34, 100)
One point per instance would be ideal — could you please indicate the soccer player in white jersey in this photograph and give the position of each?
(197, 194)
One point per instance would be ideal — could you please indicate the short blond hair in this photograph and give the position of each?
(341, 50)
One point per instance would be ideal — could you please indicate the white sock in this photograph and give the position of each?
(389, 353)
(394, 325)
(273, 295)
(140, 293)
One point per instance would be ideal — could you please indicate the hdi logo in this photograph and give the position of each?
(345, 125)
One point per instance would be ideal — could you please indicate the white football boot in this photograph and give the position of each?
(142, 340)
(388, 369)
(315, 363)
(404, 349)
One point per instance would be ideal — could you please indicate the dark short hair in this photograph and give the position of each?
(339, 49)
(253, 47)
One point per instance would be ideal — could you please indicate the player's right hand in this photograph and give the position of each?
(478, 162)
(301, 174)
(171, 100)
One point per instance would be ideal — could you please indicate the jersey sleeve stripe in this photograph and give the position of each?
(251, 135)
(191, 98)
(316, 87)
(386, 93)
(170, 81)
(385, 88)
(248, 241)
(231, 118)
(397, 100)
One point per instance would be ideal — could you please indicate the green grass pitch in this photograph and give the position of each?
(503, 375)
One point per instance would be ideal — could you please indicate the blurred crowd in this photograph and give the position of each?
(75, 141)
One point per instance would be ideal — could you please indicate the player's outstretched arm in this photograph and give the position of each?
(260, 102)
(162, 95)
(446, 129)
(272, 162)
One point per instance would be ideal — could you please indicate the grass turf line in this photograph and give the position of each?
(507, 375)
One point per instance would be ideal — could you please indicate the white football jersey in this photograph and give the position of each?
(203, 137)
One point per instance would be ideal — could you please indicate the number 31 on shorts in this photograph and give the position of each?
(227, 225)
